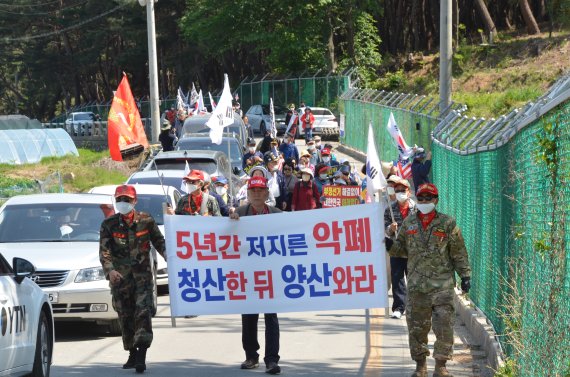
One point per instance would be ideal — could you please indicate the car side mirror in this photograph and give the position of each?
(22, 269)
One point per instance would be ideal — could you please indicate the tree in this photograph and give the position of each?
(529, 20)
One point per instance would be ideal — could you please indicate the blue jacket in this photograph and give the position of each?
(248, 156)
(420, 172)
(289, 151)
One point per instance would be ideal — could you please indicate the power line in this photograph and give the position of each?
(79, 24)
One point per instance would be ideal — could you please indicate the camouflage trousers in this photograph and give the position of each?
(133, 299)
(427, 310)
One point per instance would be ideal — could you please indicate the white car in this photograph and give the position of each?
(325, 123)
(59, 234)
(26, 322)
(260, 119)
(80, 123)
(150, 199)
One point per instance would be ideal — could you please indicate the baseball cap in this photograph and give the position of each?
(323, 170)
(126, 190)
(427, 188)
(395, 180)
(220, 179)
(194, 175)
(326, 152)
(305, 154)
(165, 125)
(254, 182)
(403, 182)
(269, 157)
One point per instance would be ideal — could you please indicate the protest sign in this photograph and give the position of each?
(284, 262)
(339, 196)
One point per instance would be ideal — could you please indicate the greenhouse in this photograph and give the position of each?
(28, 146)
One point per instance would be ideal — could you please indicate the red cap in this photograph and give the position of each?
(257, 182)
(324, 169)
(326, 152)
(194, 175)
(427, 188)
(126, 190)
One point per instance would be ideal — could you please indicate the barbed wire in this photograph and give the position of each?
(57, 32)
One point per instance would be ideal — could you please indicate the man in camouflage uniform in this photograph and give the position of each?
(124, 252)
(197, 202)
(435, 249)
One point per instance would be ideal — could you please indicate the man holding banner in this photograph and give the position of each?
(257, 195)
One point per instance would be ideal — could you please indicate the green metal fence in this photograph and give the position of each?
(314, 89)
(510, 194)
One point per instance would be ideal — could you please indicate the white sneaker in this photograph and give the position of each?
(397, 314)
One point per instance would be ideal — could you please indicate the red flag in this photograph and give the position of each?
(124, 125)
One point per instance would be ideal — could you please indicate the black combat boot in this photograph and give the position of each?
(140, 364)
(132, 359)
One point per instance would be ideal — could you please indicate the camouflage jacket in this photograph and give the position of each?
(398, 218)
(185, 206)
(127, 249)
(434, 254)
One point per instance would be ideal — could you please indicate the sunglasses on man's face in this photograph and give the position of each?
(123, 199)
(399, 191)
(426, 198)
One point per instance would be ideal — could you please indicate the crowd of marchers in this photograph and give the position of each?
(426, 246)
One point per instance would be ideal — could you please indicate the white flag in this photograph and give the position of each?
(201, 107)
(212, 102)
(403, 149)
(223, 115)
(375, 180)
(272, 117)
(183, 184)
(193, 96)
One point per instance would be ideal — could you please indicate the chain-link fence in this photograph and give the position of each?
(314, 89)
(506, 182)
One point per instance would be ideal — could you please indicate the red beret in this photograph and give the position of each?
(126, 190)
(427, 188)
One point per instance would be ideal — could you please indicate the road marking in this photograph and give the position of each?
(375, 320)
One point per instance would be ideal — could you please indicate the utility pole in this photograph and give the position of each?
(445, 54)
(152, 69)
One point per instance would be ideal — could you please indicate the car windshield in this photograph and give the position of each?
(207, 165)
(53, 222)
(166, 181)
(83, 117)
(207, 145)
(321, 112)
(152, 204)
(278, 109)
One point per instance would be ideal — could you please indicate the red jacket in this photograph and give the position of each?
(305, 196)
(308, 122)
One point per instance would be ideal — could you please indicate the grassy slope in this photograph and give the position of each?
(492, 81)
(80, 173)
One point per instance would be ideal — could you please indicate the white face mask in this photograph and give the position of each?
(401, 197)
(124, 207)
(286, 141)
(251, 149)
(274, 168)
(190, 188)
(390, 190)
(326, 159)
(323, 176)
(425, 208)
(318, 143)
(306, 177)
(221, 190)
(311, 148)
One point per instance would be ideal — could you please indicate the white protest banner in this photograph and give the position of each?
(286, 262)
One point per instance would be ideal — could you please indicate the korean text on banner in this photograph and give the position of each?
(331, 260)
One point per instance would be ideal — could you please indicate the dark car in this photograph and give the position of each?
(230, 146)
(197, 125)
(260, 119)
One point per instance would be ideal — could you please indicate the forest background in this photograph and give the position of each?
(60, 53)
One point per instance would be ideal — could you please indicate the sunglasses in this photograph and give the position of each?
(399, 191)
(123, 199)
(287, 169)
(426, 198)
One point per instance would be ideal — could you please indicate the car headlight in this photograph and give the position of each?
(90, 274)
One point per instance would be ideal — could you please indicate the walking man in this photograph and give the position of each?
(125, 254)
(257, 195)
(435, 249)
